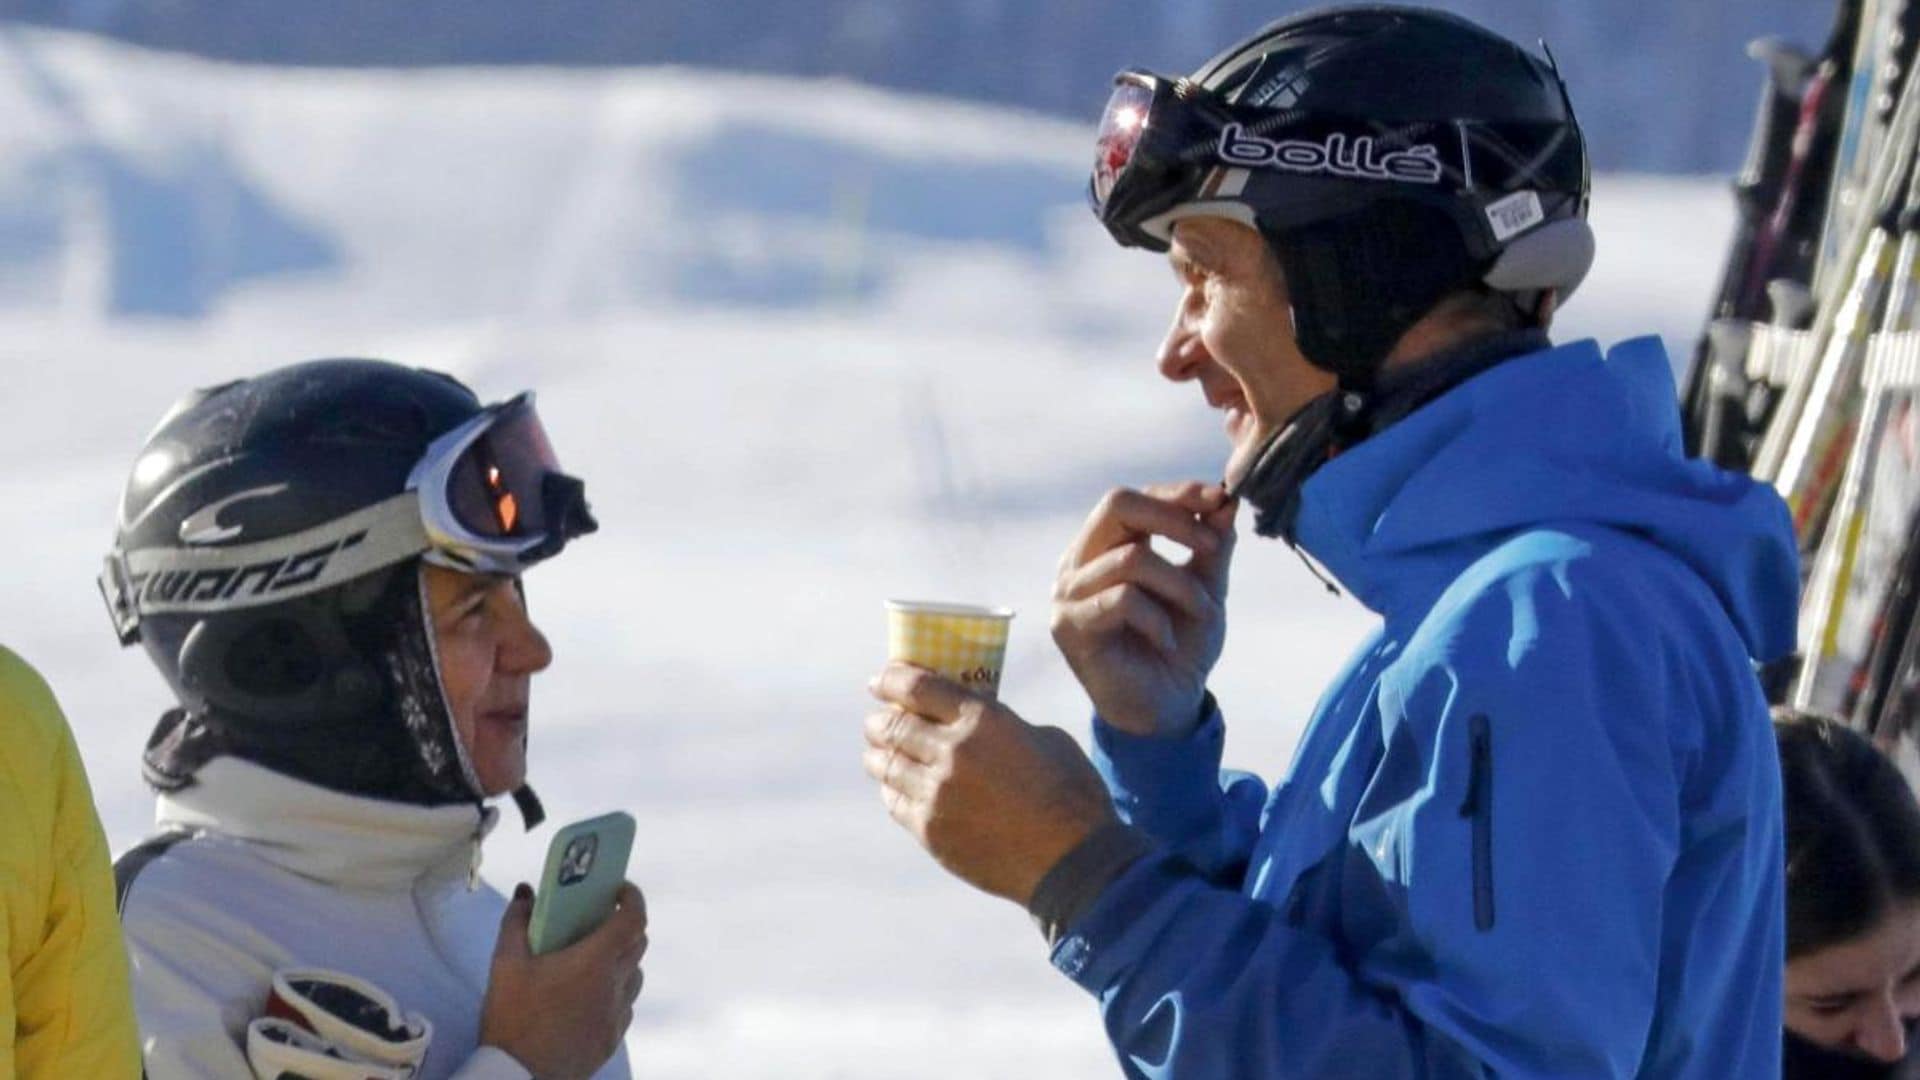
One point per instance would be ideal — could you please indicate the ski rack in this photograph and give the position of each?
(1853, 425)
(1819, 447)
(1778, 355)
(1822, 401)
(1794, 451)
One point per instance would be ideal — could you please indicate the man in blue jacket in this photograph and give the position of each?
(1534, 828)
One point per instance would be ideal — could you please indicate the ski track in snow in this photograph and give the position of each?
(811, 344)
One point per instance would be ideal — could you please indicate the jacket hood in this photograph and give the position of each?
(1560, 436)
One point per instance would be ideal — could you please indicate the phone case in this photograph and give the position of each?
(586, 864)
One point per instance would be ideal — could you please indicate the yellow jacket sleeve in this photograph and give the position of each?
(65, 1006)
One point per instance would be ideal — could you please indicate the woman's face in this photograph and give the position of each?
(489, 651)
(1861, 994)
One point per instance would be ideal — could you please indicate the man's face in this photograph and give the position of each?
(489, 650)
(1859, 995)
(1233, 334)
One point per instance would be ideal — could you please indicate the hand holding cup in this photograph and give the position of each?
(994, 799)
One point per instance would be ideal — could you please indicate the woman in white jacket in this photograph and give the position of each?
(324, 561)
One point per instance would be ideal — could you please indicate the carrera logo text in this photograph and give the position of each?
(1357, 158)
(224, 583)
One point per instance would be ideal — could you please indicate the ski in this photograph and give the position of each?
(1869, 45)
(1884, 708)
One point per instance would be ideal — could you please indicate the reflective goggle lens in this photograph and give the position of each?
(496, 487)
(1121, 127)
(348, 1003)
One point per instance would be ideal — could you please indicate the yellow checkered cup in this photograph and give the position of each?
(961, 641)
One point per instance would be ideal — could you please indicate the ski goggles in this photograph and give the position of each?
(1141, 165)
(1170, 148)
(487, 497)
(331, 1026)
(492, 497)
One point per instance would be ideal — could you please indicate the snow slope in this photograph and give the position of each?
(812, 345)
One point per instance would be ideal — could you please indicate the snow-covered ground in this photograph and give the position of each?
(812, 345)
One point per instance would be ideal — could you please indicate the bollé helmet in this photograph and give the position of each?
(1391, 156)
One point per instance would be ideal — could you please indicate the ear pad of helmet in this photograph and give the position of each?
(1358, 281)
(1556, 256)
(290, 662)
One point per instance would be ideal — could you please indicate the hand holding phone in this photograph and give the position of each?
(586, 864)
(563, 1014)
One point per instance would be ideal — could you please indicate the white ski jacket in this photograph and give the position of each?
(278, 873)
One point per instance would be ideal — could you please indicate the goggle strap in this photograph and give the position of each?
(148, 581)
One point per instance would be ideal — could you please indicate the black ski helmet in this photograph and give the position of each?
(258, 563)
(1391, 156)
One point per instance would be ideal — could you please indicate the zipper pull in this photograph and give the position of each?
(1477, 807)
(1480, 764)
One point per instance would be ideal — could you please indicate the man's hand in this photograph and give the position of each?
(1141, 633)
(996, 800)
(563, 1014)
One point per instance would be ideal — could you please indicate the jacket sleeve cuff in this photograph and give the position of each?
(492, 1063)
(1168, 785)
(1078, 879)
(1126, 918)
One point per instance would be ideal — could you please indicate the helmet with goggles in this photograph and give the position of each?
(266, 559)
(1392, 156)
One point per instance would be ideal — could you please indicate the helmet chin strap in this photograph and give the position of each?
(1290, 455)
(1340, 418)
(531, 812)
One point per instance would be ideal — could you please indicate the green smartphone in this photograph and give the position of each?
(586, 864)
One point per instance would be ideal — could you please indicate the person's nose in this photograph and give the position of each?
(1182, 352)
(526, 650)
(1883, 1033)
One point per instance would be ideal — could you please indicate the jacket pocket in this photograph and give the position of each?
(1478, 809)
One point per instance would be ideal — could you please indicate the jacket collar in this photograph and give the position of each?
(1564, 437)
(344, 840)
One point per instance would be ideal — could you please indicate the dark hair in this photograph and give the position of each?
(1853, 832)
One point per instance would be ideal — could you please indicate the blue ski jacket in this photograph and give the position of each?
(1534, 829)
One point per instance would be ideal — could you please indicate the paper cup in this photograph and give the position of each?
(961, 641)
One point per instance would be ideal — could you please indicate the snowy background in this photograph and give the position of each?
(1661, 86)
(812, 345)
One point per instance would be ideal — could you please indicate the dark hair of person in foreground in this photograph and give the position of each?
(1853, 904)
